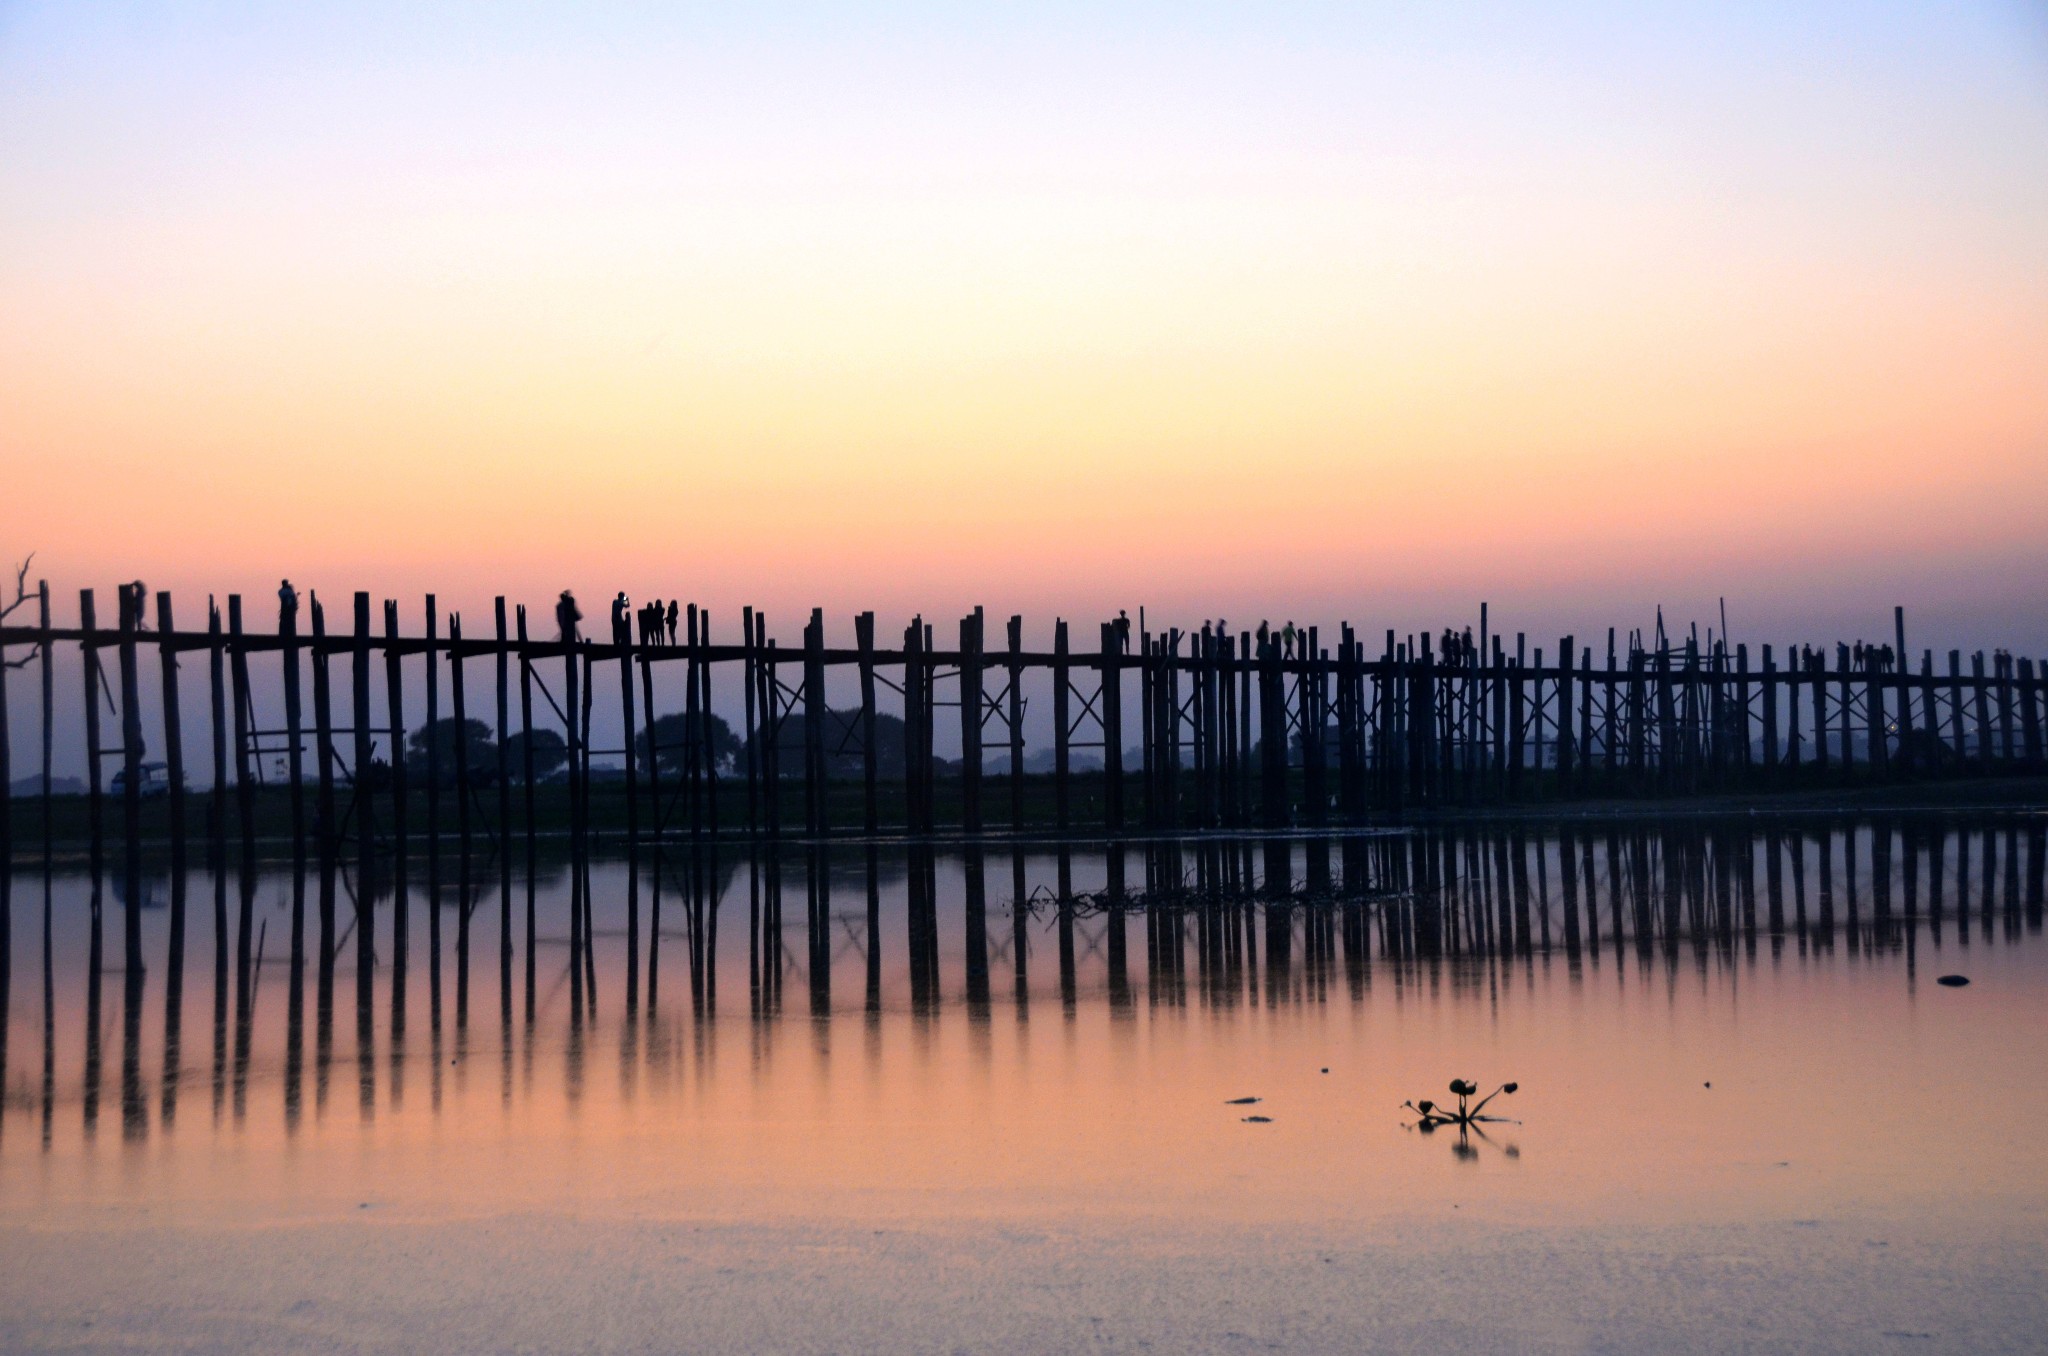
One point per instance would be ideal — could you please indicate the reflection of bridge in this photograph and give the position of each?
(1210, 922)
(1233, 730)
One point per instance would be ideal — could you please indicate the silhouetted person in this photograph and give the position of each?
(620, 634)
(1466, 650)
(1287, 640)
(567, 616)
(1123, 629)
(137, 591)
(287, 606)
(675, 611)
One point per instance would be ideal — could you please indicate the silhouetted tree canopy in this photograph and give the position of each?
(447, 734)
(842, 745)
(550, 754)
(673, 730)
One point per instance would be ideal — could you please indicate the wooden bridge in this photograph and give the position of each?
(1256, 732)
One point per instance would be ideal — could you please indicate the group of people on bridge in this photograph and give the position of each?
(656, 621)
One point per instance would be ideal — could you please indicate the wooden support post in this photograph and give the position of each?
(245, 772)
(1567, 651)
(702, 689)
(434, 778)
(1016, 723)
(1272, 736)
(294, 719)
(464, 795)
(814, 724)
(1770, 712)
(970, 721)
(2007, 751)
(1930, 717)
(88, 650)
(1148, 754)
(526, 763)
(1874, 722)
(1845, 680)
(753, 730)
(1743, 755)
(870, 756)
(1517, 721)
(1903, 680)
(1814, 664)
(394, 713)
(1608, 749)
(504, 771)
(572, 735)
(174, 732)
(772, 714)
(1244, 727)
(2030, 719)
(6, 813)
(1062, 716)
(1980, 708)
(1111, 696)
(1349, 790)
(323, 733)
(1955, 706)
(648, 719)
(916, 758)
(46, 662)
(359, 681)
(131, 777)
(624, 646)
(1499, 684)
(1315, 787)
(1669, 755)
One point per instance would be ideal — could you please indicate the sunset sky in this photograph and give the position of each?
(1302, 310)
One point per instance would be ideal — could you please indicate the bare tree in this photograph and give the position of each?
(21, 599)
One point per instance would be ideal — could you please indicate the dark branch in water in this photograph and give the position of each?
(1432, 1115)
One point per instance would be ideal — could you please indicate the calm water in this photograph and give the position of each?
(880, 1099)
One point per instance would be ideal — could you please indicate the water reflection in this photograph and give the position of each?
(1225, 926)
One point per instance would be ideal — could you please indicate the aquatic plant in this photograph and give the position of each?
(1433, 1114)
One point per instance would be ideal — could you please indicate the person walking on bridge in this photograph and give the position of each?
(567, 616)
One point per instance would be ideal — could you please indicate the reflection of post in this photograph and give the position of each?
(174, 992)
(977, 933)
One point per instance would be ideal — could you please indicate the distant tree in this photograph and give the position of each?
(21, 599)
(446, 736)
(843, 759)
(550, 754)
(674, 732)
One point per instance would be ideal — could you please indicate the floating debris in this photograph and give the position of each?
(1243, 1101)
(1258, 1120)
(1953, 981)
